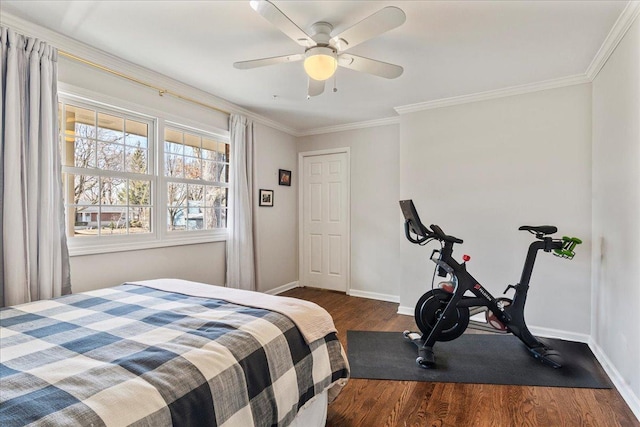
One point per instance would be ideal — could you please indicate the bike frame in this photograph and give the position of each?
(511, 316)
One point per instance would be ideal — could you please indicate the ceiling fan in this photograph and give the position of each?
(324, 52)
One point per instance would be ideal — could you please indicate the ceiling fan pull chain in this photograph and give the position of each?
(335, 88)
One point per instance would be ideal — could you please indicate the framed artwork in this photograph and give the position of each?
(284, 177)
(265, 198)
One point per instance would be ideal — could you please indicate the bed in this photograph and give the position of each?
(168, 352)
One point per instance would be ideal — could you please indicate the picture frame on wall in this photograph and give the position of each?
(265, 198)
(284, 177)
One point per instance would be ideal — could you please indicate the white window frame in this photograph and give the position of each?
(159, 235)
(178, 235)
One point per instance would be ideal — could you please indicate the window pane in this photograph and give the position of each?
(208, 154)
(209, 144)
(171, 135)
(195, 219)
(110, 156)
(86, 190)
(210, 218)
(173, 165)
(139, 192)
(223, 152)
(223, 172)
(135, 160)
(110, 128)
(113, 191)
(215, 218)
(215, 196)
(172, 148)
(195, 196)
(191, 145)
(79, 121)
(139, 220)
(191, 168)
(79, 151)
(176, 219)
(113, 220)
(223, 218)
(224, 196)
(84, 220)
(84, 153)
(137, 134)
(176, 194)
(209, 170)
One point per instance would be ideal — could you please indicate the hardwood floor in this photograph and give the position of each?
(374, 403)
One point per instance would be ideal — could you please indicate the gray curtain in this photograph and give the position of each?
(33, 251)
(240, 244)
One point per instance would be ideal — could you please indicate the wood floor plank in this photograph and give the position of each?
(372, 403)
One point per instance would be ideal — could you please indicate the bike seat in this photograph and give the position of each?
(540, 229)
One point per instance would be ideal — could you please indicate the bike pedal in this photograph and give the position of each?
(547, 356)
(414, 336)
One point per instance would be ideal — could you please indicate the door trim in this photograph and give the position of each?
(301, 157)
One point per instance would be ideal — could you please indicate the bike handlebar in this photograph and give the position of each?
(567, 250)
(561, 247)
(443, 237)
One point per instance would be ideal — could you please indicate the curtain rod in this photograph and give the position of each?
(160, 90)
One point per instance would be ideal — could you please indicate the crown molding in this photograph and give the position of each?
(493, 94)
(90, 53)
(351, 126)
(619, 29)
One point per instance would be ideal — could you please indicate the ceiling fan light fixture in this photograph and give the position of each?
(320, 63)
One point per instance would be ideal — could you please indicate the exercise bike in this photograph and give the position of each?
(443, 313)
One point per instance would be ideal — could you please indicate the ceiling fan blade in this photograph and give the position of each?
(244, 65)
(382, 21)
(274, 15)
(316, 87)
(370, 66)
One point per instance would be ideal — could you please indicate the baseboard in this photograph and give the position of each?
(535, 330)
(407, 311)
(618, 381)
(374, 295)
(559, 334)
(283, 288)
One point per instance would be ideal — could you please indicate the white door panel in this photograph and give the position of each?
(325, 221)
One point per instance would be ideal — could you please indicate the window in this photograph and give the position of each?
(116, 196)
(107, 174)
(196, 170)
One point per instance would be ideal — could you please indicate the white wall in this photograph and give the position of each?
(481, 170)
(200, 263)
(374, 205)
(616, 211)
(277, 226)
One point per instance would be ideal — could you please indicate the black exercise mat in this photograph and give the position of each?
(472, 358)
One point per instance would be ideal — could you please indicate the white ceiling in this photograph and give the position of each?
(447, 48)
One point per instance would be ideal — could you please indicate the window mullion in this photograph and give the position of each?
(161, 188)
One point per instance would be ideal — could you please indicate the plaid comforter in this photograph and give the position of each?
(133, 355)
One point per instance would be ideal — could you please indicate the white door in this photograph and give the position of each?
(324, 251)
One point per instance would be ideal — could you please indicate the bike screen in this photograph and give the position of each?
(411, 216)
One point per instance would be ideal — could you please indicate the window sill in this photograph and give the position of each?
(91, 248)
